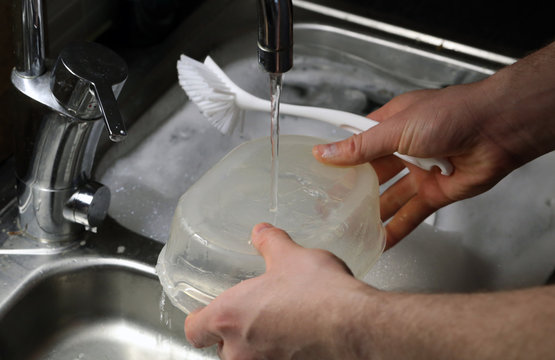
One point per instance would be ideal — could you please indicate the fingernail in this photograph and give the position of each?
(327, 151)
(258, 228)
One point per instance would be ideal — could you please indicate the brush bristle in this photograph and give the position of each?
(213, 97)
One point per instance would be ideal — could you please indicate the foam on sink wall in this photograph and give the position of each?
(502, 239)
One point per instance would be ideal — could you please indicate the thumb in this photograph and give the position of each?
(371, 144)
(272, 243)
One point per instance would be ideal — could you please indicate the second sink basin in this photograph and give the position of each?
(102, 309)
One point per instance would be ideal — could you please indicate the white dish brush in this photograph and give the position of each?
(222, 102)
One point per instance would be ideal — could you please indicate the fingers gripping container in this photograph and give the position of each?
(320, 206)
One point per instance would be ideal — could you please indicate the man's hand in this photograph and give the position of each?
(308, 306)
(299, 309)
(427, 123)
(486, 129)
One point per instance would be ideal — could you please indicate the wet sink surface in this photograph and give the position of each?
(330, 70)
(481, 243)
(104, 311)
(172, 145)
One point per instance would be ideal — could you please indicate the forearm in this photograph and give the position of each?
(519, 102)
(503, 325)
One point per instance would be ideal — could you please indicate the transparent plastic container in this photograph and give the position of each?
(320, 206)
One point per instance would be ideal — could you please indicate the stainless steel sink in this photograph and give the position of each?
(478, 244)
(334, 68)
(481, 243)
(103, 310)
(100, 297)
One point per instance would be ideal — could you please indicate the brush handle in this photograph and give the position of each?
(352, 122)
(348, 121)
(356, 124)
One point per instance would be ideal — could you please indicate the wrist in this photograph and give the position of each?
(358, 329)
(518, 103)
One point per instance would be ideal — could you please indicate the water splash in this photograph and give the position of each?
(165, 318)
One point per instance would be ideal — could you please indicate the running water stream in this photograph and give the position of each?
(275, 94)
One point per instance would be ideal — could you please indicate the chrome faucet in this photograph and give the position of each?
(56, 143)
(275, 35)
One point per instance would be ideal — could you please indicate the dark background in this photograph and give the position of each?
(512, 28)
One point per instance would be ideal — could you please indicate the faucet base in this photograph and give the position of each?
(41, 214)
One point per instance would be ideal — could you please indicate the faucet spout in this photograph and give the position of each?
(29, 38)
(275, 35)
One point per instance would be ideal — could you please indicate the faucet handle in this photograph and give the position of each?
(110, 110)
(86, 80)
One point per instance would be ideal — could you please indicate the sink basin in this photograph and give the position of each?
(102, 311)
(147, 177)
(99, 299)
(493, 241)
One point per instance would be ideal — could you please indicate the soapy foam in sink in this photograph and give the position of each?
(484, 226)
